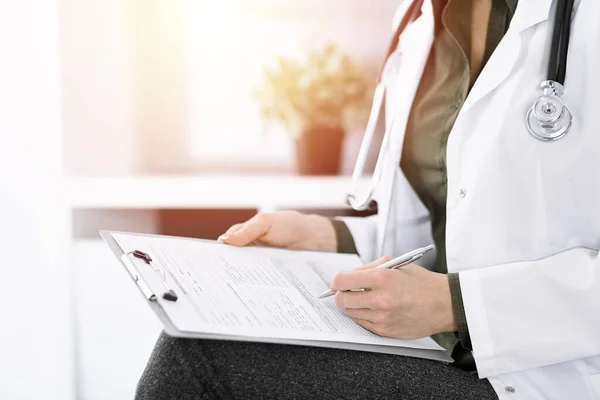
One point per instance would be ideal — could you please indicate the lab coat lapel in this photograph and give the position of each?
(500, 65)
(415, 44)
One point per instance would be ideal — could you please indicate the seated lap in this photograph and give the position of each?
(215, 369)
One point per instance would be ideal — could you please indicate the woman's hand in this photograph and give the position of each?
(409, 302)
(289, 229)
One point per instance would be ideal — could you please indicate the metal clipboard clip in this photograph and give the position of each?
(169, 293)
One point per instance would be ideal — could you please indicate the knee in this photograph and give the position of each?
(166, 375)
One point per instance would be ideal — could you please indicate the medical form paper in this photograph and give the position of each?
(255, 292)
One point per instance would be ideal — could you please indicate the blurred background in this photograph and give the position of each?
(176, 117)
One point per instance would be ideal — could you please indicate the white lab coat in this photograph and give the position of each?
(523, 216)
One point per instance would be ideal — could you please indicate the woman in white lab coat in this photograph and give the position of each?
(522, 236)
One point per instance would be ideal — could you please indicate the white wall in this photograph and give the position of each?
(97, 70)
(114, 327)
(124, 75)
(35, 339)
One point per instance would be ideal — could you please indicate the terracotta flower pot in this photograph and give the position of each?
(319, 151)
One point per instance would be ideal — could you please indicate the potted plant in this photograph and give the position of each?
(319, 99)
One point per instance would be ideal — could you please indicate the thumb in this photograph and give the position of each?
(232, 229)
(247, 232)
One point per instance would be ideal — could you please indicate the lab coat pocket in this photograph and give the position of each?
(593, 368)
(567, 171)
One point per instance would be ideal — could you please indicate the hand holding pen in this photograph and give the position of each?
(408, 303)
(397, 262)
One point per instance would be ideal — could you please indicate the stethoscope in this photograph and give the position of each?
(547, 120)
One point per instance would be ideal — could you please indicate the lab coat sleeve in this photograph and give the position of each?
(530, 314)
(364, 233)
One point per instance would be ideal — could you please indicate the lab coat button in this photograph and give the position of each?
(510, 389)
(462, 193)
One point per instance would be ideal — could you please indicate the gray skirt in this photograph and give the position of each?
(212, 369)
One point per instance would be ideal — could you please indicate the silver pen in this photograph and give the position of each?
(397, 262)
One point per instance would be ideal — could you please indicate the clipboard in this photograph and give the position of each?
(146, 274)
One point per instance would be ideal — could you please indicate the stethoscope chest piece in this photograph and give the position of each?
(549, 119)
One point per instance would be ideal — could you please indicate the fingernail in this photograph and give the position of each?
(222, 238)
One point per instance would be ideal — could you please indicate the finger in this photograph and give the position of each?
(232, 229)
(357, 279)
(355, 300)
(361, 313)
(252, 230)
(368, 325)
(374, 264)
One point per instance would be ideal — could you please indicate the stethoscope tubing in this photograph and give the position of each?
(411, 15)
(559, 48)
(367, 202)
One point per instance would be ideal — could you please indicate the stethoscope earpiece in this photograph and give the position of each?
(549, 119)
